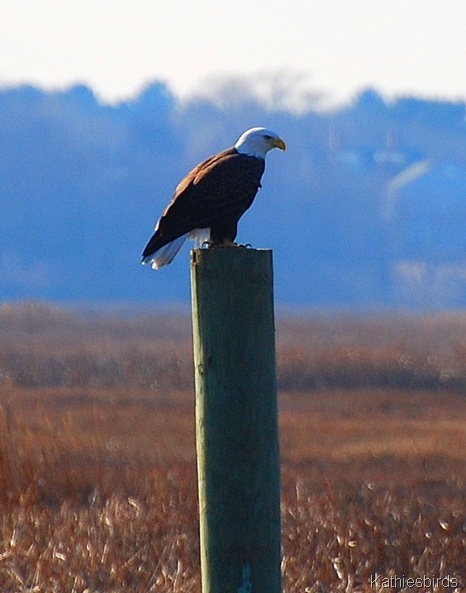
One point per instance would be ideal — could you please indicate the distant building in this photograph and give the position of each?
(359, 158)
(425, 211)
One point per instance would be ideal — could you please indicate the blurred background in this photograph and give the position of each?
(104, 108)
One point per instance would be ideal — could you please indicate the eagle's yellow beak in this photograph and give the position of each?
(278, 143)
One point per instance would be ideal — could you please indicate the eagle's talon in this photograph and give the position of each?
(222, 245)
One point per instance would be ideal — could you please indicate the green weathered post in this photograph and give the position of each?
(236, 420)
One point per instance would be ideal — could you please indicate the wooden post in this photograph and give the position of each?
(236, 420)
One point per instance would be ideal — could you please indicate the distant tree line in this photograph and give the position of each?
(83, 182)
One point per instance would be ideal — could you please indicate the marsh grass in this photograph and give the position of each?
(97, 473)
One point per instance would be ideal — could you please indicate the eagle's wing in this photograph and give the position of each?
(219, 189)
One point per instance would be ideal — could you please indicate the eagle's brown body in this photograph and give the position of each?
(215, 201)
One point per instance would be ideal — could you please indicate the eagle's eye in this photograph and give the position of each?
(267, 137)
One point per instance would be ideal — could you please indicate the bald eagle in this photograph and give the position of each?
(210, 200)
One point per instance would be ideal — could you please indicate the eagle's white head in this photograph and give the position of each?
(258, 141)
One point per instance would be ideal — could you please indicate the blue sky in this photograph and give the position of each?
(116, 46)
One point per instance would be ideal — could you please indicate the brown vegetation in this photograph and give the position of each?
(97, 461)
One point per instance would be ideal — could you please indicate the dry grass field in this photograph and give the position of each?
(97, 461)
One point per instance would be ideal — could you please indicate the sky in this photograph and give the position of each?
(334, 47)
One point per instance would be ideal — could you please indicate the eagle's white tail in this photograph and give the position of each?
(200, 236)
(164, 255)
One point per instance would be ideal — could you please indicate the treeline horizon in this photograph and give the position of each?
(83, 183)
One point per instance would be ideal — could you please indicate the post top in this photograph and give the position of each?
(229, 253)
